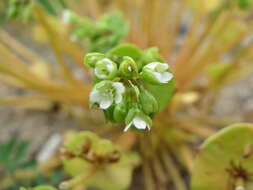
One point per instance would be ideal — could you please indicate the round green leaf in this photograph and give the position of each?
(223, 155)
(125, 50)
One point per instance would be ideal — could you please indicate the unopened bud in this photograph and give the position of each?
(148, 102)
(105, 69)
(128, 68)
(120, 112)
(92, 58)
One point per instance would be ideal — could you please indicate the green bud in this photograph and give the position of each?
(128, 68)
(151, 55)
(105, 69)
(131, 114)
(92, 58)
(133, 93)
(148, 102)
(108, 113)
(120, 112)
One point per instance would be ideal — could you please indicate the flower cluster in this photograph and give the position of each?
(120, 88)
(19, 9)
(103, 34)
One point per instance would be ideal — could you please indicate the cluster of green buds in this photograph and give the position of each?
(103, 34)
(121, 87)
(19, 9)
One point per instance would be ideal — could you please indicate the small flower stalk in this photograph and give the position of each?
(121, 88)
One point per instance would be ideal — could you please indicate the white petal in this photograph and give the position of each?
(95, 96)
(158, 76)
(109, 67)
(99, 75)
(166, 77)
(139, 123)
(163, 77)
(105, 103)
(119, 87)
(152, 65)
(128, 126)
(106, 60)
(118, 98)
(162, 66)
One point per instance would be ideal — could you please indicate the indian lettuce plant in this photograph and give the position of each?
(224, 161)
(156, 85)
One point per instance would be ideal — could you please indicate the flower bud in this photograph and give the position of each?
(108, 113)
(148, 102)
(151, 55)
(120, 112)
(128, 68)
(132, 93)
(131, 114)
(92, 58)
(156, 73)
(105, 69)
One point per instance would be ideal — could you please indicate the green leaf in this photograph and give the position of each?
(115, 176)
(63, 4)
(21, 151)
(221, 155)
(151, 55)
(244, 4)
(6, 149)
(48, 6)
(163, 93)
(28, 164)
(125, 50)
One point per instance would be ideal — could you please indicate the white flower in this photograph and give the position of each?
(157, 72)
(66, 16)
(106, 93)
(105, 69)
(139, 123)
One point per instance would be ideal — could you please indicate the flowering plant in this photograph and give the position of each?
(122, 81)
